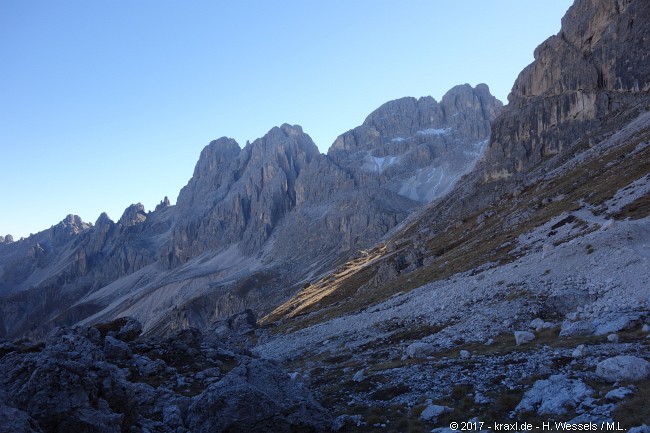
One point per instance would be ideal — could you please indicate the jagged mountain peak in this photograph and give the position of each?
(419, 148)
(464, 96)
(103, 219)
(277, 203)
(218, 152)
(132, 215)
(406, 117)
(288, 140)
(68, 228)
(73, 222)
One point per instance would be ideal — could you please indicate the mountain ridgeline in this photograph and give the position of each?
(251, 225)
(445, 261)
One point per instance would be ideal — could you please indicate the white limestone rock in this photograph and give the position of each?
(581, 328)
(522, 337)
(419, 349)
(554, 395)
(579, 351)
(433, 411)
(624, 368)
(610, 324)
(537, 324)
(619, 393)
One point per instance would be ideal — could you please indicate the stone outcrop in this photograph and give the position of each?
(623, 368)
(419, 148)
(164, 203)
(596, 65)
(239, 196)
(101, 379)
(256, 396)
(555, 395)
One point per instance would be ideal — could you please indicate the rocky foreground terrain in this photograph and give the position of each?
(103, 379)
(448, 265)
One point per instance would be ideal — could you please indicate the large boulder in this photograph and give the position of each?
(581, 328)
(522, 337)
(61, 387)
(433, 411)
(420, 349)
(256, 396)
(623, 368)
(554, 395)
(13, 420)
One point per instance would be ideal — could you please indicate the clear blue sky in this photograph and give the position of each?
(108, 103)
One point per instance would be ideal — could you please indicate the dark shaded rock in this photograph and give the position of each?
(125, 328)
(566, 301)
(13, 420)
(80, 382)
(116, 349)
(256, 397)
(7, 347)
(130, 330)
(243, 322)
(596, 65)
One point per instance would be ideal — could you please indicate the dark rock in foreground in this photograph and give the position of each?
(102, 379)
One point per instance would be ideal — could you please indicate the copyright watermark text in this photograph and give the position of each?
(552, 426)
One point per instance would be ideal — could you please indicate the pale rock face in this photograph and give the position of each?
(577, 329)
(134, 214)
(433, 411)
(554, 395)
(419, 148)
(596, 64)
(619, 393)
(239, 196)
(522, 337)
(623, 368)
(579, 352)
(420, 349)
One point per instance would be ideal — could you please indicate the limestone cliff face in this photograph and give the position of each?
(596, 65)
(588, 83)
(463, 108)
(238, 196)
(419, 148)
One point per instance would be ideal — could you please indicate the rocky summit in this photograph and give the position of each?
(252, 225)
(452, 264)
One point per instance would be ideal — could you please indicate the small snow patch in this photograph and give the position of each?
(435, 131)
